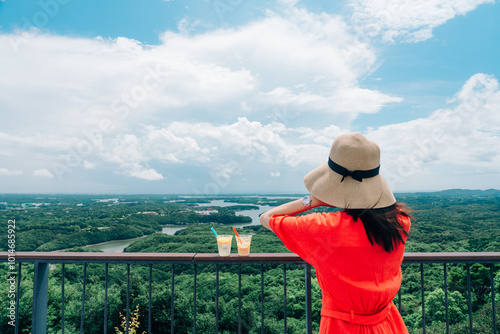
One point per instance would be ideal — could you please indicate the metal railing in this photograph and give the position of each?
(42, 260)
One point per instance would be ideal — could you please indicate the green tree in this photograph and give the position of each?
(436, 309)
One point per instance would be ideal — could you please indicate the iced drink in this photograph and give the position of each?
(244, 245)
(224, 244)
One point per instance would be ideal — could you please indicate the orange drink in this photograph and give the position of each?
(243, 243)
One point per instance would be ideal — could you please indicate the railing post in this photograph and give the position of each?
(284, 295)
(40, 298)
(423, 295)
(19, 277)
(82, 311)
(308, 298)
(194, 300)
(172, 304)
(446, 307)
(469, 294)
(493, 300)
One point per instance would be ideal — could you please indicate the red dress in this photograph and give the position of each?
(358, 280)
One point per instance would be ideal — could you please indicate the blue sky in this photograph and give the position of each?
(233, 96)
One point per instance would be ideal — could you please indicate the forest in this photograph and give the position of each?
(451, 221)
(46, 223)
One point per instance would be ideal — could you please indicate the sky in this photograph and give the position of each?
(213, 97)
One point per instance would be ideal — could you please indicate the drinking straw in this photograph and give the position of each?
(237, 235)
(214, 231)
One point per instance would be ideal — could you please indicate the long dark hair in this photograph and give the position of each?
(382, 226)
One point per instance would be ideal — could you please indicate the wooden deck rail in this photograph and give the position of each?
(55, 257)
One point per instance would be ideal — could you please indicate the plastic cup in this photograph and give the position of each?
(224, 244)
(244, 245)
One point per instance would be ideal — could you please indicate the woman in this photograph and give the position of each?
(357, 252)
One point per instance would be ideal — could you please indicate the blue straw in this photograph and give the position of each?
(214, 231)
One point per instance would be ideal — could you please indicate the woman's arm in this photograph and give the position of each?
(290, 208)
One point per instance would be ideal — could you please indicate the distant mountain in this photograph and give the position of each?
(457, 193)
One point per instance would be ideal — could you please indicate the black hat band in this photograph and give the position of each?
(357, 175)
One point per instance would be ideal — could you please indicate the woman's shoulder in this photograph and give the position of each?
(405, 221)
(327, 219)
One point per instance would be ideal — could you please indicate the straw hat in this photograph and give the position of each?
(351, 179)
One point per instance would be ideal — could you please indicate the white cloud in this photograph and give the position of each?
(298, 61)
(45, 141)
(308, 56)
(188, 26)
(407, 20)
(288, 2)
(345, 100)
(130, 155)
(141, 172)
(7, 172)
(464, 135)
(225, 148)
(275, 174)
(89, 165)
(322, 136)
(43, 173)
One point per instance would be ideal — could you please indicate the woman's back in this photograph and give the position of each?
(357, 279)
